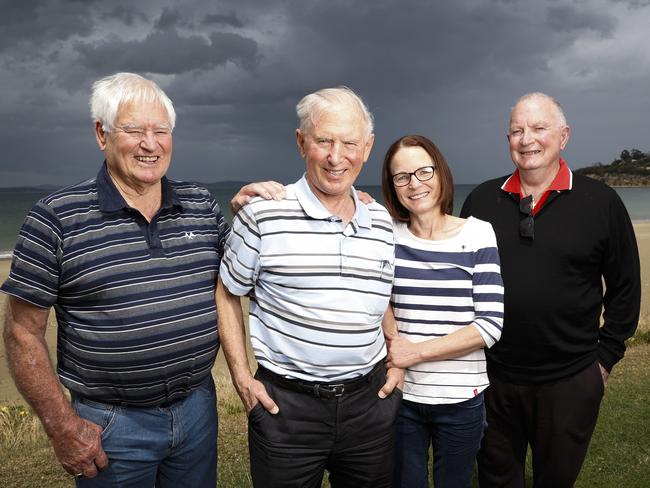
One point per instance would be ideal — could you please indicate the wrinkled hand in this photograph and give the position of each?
(402, 353)
(255, 392)
(79, 448)
(394, 379)
(604, 373)
(265, 189)
(364, 197)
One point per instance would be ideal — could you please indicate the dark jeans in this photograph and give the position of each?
(453, 430)
(556, 419)
(351, 436)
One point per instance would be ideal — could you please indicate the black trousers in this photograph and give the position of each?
(351, 436)
(556, 419)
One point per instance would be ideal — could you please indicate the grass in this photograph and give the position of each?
(619, 454)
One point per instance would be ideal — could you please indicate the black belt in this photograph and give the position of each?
(320, 390)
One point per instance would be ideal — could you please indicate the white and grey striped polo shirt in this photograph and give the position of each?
(440, 287)
(134, 300)
(319, 289)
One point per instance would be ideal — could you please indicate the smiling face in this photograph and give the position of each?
(334, 151)
(418, 197)
(537, 135)
(139, 148)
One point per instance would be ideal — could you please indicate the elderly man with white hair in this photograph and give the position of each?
(318, 266)
(560, 236)
(129, 262)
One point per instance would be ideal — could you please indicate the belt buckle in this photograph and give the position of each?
(334, 391)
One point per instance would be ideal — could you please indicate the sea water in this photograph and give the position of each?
(15, 203)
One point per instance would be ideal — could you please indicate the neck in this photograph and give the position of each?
(145, 199)
(536, 182)
(341, 205)
(428, 225)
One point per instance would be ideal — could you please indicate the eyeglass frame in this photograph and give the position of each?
(412, 174)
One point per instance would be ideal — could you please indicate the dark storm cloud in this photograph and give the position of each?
(563, 18)
(168, 52)
(169, 18)
(125, 15)
(221, 19)
(38, 23)
(236, 68)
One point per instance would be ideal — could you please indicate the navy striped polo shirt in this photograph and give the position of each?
(134, 301)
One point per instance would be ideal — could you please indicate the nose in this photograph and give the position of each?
(335, 153)
(526, 137)
(148, 141)
(413, 181)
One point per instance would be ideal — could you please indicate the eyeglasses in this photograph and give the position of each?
(422, 174)
(139, 133)
(527, 224)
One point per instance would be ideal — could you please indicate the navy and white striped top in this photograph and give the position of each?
(134, 300)
(320, 288)
(440, 287)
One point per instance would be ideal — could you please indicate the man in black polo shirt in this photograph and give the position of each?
(559, 236)
(129, 262)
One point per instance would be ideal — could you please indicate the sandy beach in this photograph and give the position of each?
(8, 392)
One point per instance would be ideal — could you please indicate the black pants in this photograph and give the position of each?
(556, 419)
(351, 436)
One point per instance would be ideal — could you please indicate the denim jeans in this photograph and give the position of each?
(163, 447)
(453, 430)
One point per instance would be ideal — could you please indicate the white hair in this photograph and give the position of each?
(120, 88)
(548, 98)
(311, 106)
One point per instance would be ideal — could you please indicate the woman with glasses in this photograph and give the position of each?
(447, 305)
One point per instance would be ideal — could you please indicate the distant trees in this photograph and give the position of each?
(632, 165)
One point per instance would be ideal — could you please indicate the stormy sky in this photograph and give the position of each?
(235, 69)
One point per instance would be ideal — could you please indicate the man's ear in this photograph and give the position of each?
(100, 135)
(368, 148)
(300, 141)
(564, 136)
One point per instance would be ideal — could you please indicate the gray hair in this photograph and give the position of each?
(548, 98)
(312, 105)
(114, 90)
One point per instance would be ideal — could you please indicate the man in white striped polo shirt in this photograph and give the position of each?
(318, 266)
(129, 261)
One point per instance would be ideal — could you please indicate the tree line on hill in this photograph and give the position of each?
(632, 168)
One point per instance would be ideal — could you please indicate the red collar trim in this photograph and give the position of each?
(563, 180)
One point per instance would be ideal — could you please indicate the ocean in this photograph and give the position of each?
(15, 203)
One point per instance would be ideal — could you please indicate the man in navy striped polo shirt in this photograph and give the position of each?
(129, 262)
(319, 268)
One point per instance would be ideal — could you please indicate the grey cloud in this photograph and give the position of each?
(221, 19)
(635, 3)
(563, 18)
(168, 52)
(41, 23)
(168, 19)
(449, 70)
(126, 15)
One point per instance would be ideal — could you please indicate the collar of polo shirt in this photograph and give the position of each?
(316, 210)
